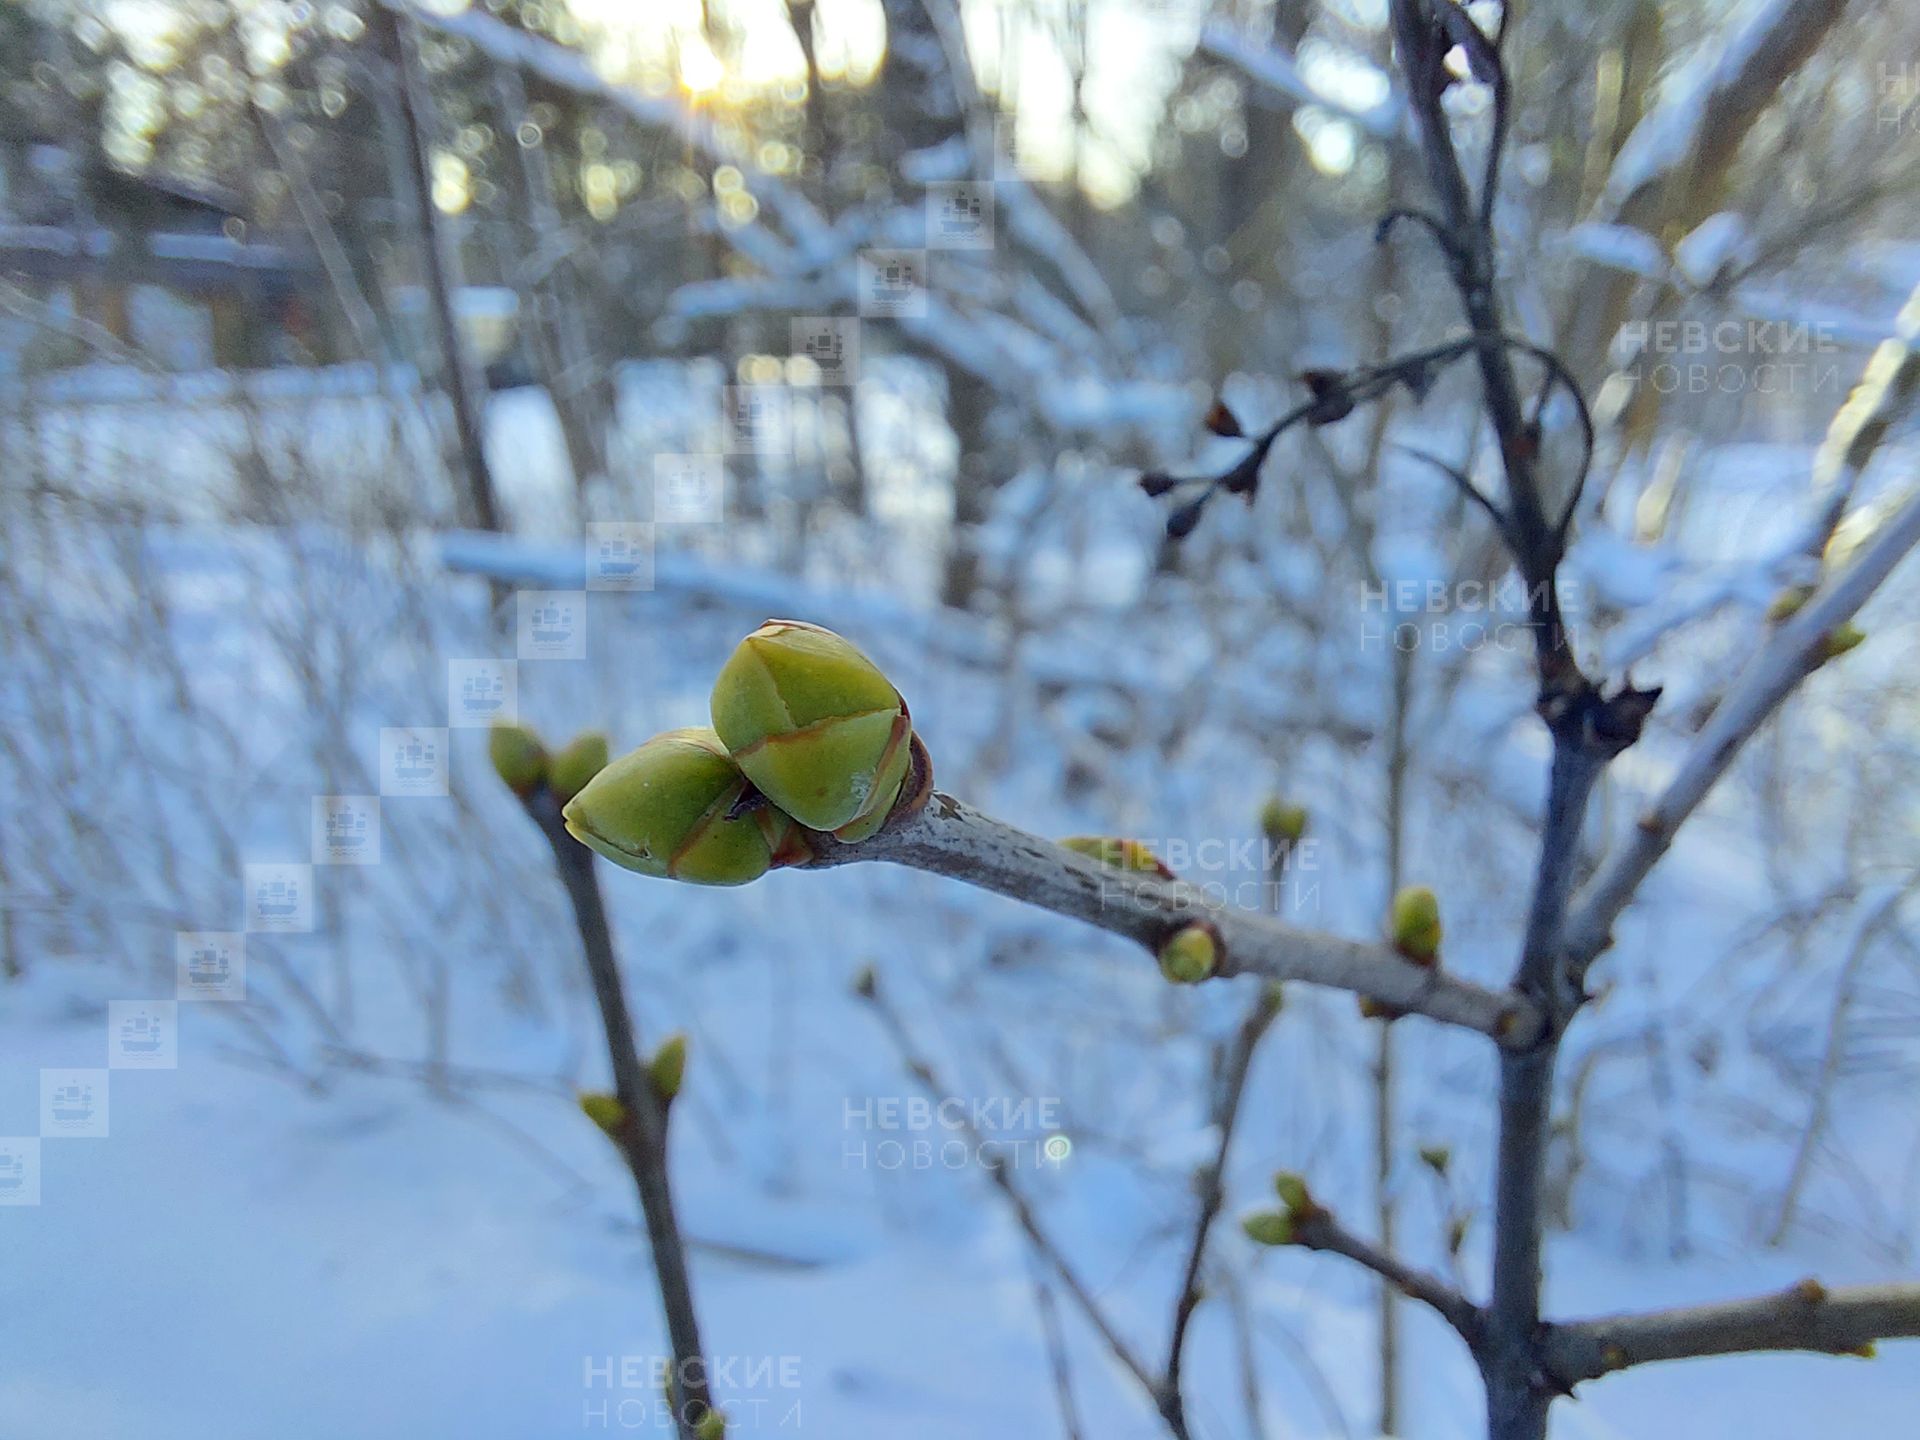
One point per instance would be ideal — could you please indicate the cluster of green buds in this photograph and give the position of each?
(521, 760)
(1282, 1226)
(808, 736)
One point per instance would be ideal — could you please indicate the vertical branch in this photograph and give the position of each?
(643, 1135)
(438, 266)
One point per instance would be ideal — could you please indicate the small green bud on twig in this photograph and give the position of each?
(668, 1068)
(1282, 823)
(1788, 603)
(1191, 955)
(1841, 639)
(1121, 854)
(864, 983)
(604, 1110)
(1416, 924)
(1293, 1192)
(1436, 1158)
(712, 1426)
(1268, 1227)
(577, 762)
(519, 759)
(816, 726)
(674, 809)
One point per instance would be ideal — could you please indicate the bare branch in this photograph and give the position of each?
(949, 838)
(1043, 1244)
(1318, 1230)
(1795, 652)
(1806, 1316)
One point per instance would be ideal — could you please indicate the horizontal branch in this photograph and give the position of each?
(1806, 1316)
(949, 838)
(1320, 1231)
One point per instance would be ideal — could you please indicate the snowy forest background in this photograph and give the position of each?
(367, 368)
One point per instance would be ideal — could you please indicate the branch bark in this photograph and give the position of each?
(1805, 1316)
(947, 837)
(643, 1138)
(1320, 1231)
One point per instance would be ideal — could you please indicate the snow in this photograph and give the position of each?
(1716, 243)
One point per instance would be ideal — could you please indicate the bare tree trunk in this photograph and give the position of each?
(439, 269)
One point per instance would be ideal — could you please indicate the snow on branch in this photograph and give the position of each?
(952, 839)
(1805, 1316)
(1706, 109)
(1274, 68)
(1796, 650)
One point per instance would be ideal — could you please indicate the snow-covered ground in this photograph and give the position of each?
(292, 1233)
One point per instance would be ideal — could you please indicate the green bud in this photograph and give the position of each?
(1416, 924)
(1121, 854)
(518, 757)
(604, 1110)
(1436, 1158)
(816, 726)
(1293, 1192)
(711, 1426)
(1283, 824)
(668, 810)
(1842, 638)
(1268, 1227)
(1788, 602)
(582, 758)
(865, 984)
(669, 1065)
(1190, 956)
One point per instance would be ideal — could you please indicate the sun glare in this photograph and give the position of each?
(701, 72)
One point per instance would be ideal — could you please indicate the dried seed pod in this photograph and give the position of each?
(519, 759)
(582, 758)
(816, 726)
(677, 808)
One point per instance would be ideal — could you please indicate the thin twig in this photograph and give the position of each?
(1318, 1230)
(947, 837)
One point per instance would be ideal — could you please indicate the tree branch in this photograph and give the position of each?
(1795, 651)
(1806, 1316)
(949, 838)
(1318, 1230)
